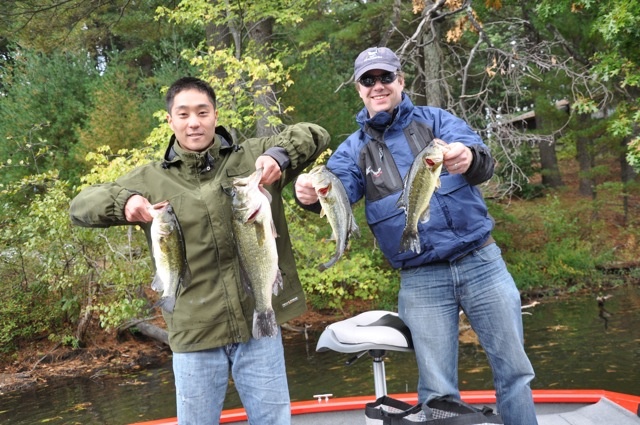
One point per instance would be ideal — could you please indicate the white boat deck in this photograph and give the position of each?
(604, 412)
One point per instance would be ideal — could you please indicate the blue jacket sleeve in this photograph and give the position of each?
(451, 129)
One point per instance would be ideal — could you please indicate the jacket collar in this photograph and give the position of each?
(222, 144)
(384, 120)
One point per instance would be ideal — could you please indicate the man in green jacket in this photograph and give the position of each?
(210, 326)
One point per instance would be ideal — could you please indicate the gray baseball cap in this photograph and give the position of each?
(376, 58)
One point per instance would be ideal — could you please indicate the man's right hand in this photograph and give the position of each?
(305, 192)
(136, 210)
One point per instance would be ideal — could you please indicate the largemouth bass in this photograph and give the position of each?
(169, 254)
(422, 180)
(255, 236)
(336, 206)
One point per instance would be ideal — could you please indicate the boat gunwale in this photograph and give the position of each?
(324, 405)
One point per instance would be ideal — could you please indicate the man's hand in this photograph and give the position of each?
(136, 210)
(270, 169)
(305, 192)
(457, 158)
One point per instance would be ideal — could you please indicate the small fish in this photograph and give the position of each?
(337, 208)
(422, 180)
(255, 236)
(169, 254)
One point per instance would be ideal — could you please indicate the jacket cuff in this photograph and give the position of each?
(316, 207)
(121, 200)
(482, 166)
(280, 155)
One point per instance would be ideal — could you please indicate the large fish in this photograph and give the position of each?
(169, 254)
(255, 236)
(336, 206)
(422, 180)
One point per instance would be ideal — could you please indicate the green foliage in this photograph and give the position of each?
(46, 97)
(317, 102)
(24, 308)
(52, 272)
(34, 273)
(248, 77)
(562, 248)
(117, 119)
(615, 57)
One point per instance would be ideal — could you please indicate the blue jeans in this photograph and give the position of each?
(259, 375)
(479, 283)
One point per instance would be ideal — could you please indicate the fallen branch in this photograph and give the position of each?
(147, 329)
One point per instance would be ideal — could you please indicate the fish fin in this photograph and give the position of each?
(322, 213)
(426, 215)
(273, 229)
(157, 284)
(244, 278)
(186, 279)
(264, 324)
(261, 234)
(278, 284)
(400, 202)
(354, 229)
(438, 183)
(266, 193)
(167, 303)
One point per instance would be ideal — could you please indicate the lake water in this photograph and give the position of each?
(570, 344)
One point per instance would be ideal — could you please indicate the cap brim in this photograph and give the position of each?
(382, 66)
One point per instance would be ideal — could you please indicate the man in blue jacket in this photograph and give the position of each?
(458, 265)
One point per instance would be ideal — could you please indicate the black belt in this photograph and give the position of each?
(488, 242)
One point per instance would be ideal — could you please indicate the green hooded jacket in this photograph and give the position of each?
(214, 309)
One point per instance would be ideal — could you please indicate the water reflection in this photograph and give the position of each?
(568, 341)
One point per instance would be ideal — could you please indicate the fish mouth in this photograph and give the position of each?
(323, 191)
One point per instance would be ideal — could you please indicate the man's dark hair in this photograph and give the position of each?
(189, 83)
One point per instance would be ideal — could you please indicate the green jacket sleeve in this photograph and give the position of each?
(100, 205)
(303, 142)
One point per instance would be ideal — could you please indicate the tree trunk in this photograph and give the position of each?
(627, 175)
(154, 332)
(147, 329)
(586, 186)
(548, 159)
(260, 33)
(433, 60)
(549, 165)
(220, 37)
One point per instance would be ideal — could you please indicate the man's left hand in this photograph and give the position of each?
(270, 169)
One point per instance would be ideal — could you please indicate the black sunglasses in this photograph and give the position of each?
(370, 80)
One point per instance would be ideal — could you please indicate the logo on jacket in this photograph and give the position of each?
(376, 173)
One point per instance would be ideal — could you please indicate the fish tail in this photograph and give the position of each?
(331, 262)
(167, 303)
(410, 241)
(264, 324)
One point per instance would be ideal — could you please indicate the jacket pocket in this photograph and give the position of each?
(461, 206)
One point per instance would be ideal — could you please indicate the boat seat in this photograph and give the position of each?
(374, 332)
(371, 330)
